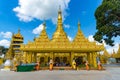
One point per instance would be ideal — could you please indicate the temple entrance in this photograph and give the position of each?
(64, 59)
(79, 60)
(60, 61)
(42, 60)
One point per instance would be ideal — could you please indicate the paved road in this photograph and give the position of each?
(112, 72)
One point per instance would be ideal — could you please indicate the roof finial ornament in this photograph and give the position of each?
(59, 11)
(18, 30)
(59, 7)
(44, 25)
(113, 51)
(78, 25)
(12, 34)
(34, 38)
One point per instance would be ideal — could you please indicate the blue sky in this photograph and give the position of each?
(28, 15)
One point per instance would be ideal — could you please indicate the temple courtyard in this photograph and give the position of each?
(112, 72)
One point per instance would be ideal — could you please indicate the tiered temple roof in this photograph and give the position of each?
(106, 54)
(118, 52)
(16, 40)
(113, 55)
(18, 35)
(60, 42)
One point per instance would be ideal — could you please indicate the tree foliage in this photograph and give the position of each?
(3, 50)
(108, 21)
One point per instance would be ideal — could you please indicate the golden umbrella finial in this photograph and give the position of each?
(78, 25)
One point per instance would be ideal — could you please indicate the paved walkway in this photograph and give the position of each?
(111, 73)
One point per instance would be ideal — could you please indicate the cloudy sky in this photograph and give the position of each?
(28, 15)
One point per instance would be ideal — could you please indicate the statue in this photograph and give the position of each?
(7, 65)
(38, 66)
(51, 64)
(74, 64)
(15, 64)
(99, 65)
(87, 65)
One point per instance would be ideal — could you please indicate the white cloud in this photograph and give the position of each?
(66, 26)
(6, 34)
(110, 49)
(2, 56)
(90, 38)
(70, 38)
(5, 43)
(27, 10)
(38, 29)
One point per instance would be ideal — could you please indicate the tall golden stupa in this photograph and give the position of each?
(59, 48)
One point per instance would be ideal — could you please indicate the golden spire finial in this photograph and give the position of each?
(18, 30)
(113, 51)
(34, 38)
(60, 13)
(59, 8)
(59, 22)
(44, 25)
(12, 34)
(78, 25)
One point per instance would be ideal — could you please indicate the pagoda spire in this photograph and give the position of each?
(118, 52)
(60, 35)
(113, 54)
(78, 25)
(44, 25)
(43, 37)
(106, 53)
(79, 36)
(18, 30)
(59, 22)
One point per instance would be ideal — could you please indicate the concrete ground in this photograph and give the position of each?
(112, 72)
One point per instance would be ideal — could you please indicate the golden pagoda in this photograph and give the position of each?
(14, 49)
(59, 48)
(104, 58)
(117, 56)
(113, 55)
(118, 52)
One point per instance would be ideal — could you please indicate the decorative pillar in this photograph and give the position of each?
(72, 56)
(89, 57)
(34, 56)
(51, 55)
(94, 59)
(29, 57)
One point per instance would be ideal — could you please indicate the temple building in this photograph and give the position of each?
(59, 48)
(118, 55)
(104, 57)
(14, 49)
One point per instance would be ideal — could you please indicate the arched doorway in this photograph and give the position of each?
(57, 61)
(64, 59)
(42, 60)
(79, 60)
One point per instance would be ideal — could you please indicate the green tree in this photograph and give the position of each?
(3, 49)
(108, 21)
